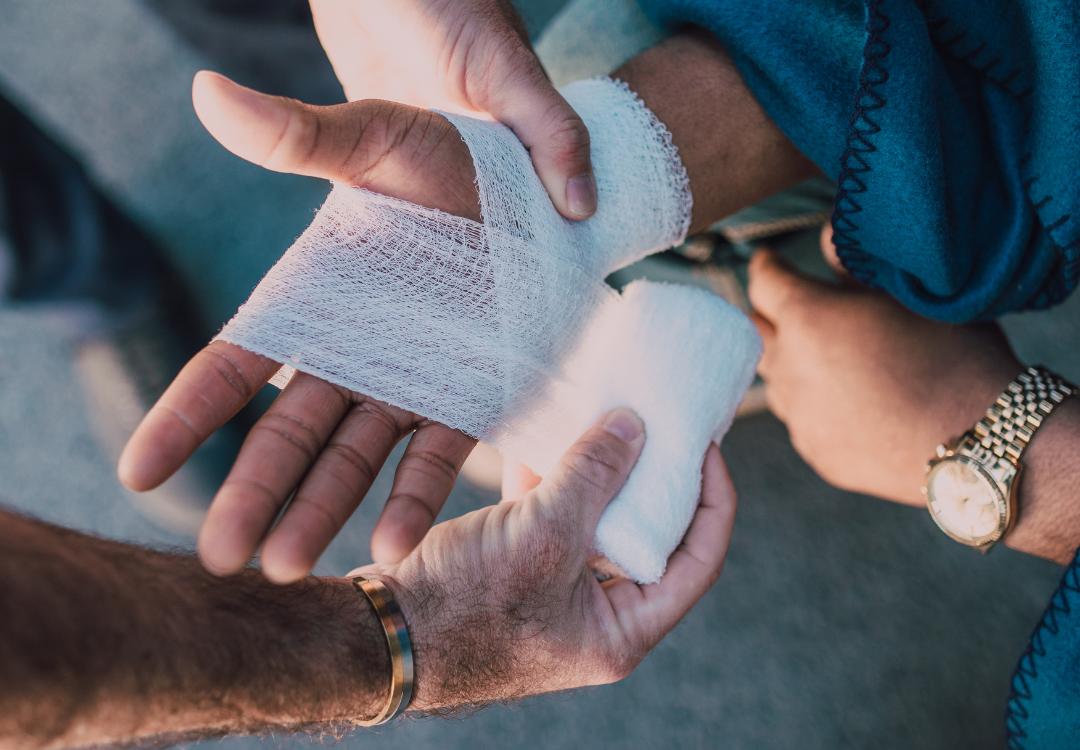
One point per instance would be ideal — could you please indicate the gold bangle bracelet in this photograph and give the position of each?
(397, 638)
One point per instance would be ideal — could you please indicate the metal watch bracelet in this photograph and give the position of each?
(1020, 410)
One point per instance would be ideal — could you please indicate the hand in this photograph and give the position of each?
(502, 602)
(466, 56)
(867, 388)
(321, 440)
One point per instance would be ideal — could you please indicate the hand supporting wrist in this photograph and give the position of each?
(506, 330)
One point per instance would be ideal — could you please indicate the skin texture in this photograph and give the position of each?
(103, 642)
(868, 389)
(467, 56)
(328, 444)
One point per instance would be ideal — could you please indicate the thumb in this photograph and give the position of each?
(280, 134)
(557, 139)
(593, 470)
(390, 148)
(773, 285)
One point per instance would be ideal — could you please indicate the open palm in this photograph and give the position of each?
(320, 440)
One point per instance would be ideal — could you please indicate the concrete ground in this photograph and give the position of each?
(840, 620)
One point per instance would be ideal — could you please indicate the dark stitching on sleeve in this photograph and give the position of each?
(852, 166)
(1027, 669)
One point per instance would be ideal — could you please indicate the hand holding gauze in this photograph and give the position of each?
(506, 331)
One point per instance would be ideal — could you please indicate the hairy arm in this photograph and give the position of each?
(734, 154)
(102, 642)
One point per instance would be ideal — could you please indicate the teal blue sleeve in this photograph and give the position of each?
(952, 128)
(1044, 704)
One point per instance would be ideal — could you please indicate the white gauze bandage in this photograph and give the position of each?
(506, 330)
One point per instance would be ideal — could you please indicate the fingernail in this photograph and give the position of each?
(624, 424)
(581, 195)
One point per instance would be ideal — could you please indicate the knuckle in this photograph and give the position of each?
(597, 465)
(568, 137)
(319, 511)
(412, 502)
(391, 418)
(431, 465)
(361, 466)
(292, 430)
(231, 373)
(253, 494)
(298, 140)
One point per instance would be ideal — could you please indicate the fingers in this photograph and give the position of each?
(773, 283)
(331, 491)
(274, 458)
(649, 612)
(425, 475)
(525, 101)
(206, 394)
(766, 330)
(593, 470)
(828, 251)
(696, 564)
(517, 480)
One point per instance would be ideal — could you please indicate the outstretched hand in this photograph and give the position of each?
(471, 57)
(320, 440)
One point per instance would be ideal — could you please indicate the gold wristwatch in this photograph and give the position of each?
(971, 485)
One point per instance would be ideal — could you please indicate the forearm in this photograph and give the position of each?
(1048, 499)
(734, 154)
(102, 642)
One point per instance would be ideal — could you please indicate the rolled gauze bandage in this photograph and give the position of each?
(506, 329)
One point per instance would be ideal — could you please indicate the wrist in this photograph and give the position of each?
(422, 606)
(1048, 514)
(464, 652)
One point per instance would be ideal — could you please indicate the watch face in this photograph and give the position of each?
(964, 502)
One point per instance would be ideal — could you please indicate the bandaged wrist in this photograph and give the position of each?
(506, 329)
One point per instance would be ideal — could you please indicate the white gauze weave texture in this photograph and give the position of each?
(506, 329)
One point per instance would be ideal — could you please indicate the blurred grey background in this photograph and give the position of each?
(840, 620)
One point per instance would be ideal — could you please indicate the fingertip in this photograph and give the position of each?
(152, 453)
(624, 424)
(246, 122)
(762, 258)
(826, 239)
(581, 196)
(764, 327)
(216, 564)
(281, 570)
(218, 548)
(129, 470)
(206, 89)
(716, 485)
(770, 282)
(396, 535)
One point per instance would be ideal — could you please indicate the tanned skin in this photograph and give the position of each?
(868, 389)
(326, 443)
(102, 641)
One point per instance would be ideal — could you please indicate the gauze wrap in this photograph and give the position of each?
(506, 330)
